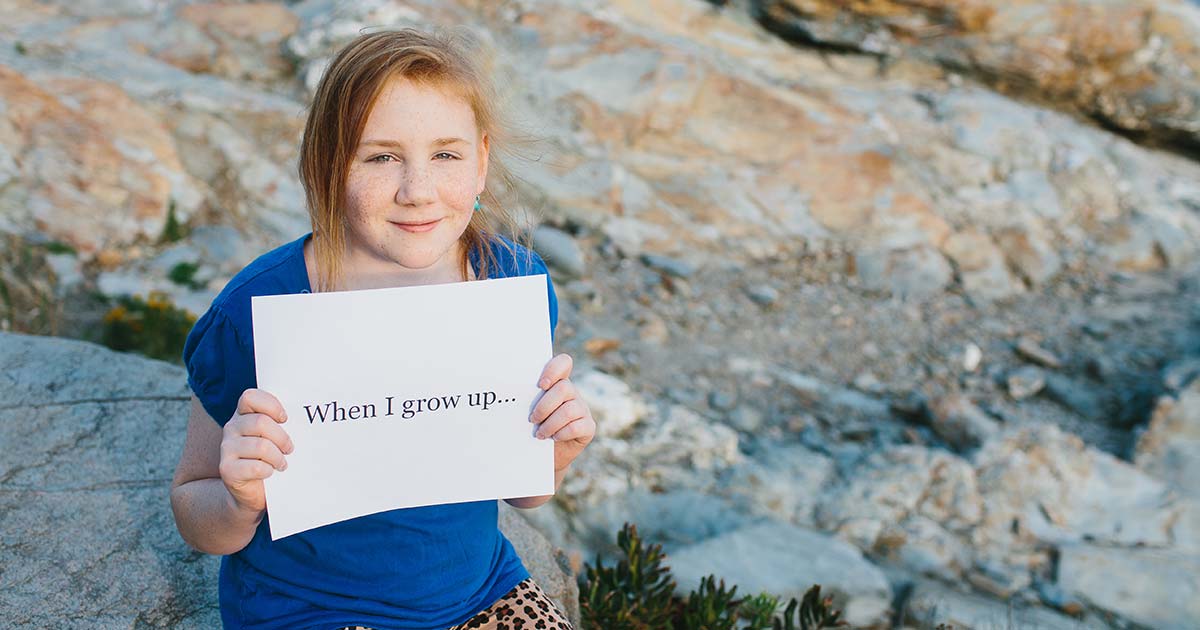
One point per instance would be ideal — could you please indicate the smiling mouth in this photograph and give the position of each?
(417, 227)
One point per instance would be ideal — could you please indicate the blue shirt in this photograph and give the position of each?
(419, 568)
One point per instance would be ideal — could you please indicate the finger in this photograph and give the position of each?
(262, 425)
(583, 429)
(259, 401)
(556, 370)
(258, 448)
(568, 412)
(553, 399)
(236, 471)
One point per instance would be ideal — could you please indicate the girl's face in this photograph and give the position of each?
(411, 187)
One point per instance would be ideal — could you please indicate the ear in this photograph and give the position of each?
(484, 152)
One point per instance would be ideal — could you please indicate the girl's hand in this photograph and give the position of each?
(252, 448)
(561, 414)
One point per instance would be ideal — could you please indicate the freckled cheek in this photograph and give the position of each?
(459, 191)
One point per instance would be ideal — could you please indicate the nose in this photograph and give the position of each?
(416, 186)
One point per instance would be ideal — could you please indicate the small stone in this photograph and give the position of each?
(1030, 350)
(1076, 396)
(668, 265)
(763, 294)
(1177, 375)
(1025, 382)
(958, 421)
(868, 382)
(746, 419)
(600, 345)
(1097, 329)
(721, 401)
(654, 331)
(972, 356)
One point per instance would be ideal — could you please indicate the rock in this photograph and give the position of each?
(1180, 374)
(932, 605)
(721, 400)
(669, 266)
(1030, 254)
(249, 39)
(786, 560)
(981, 266)
(91, 440)
(613, 404)
(1024, 382)
(746, 419)
(681, 445)
(972, 356)
(83, 485)
(1029, 350)
(1054, 596)
(97, 170)
(915, 273)
(894, 485)
(1170, 447)
(1077, 396)
(957, 420)
(782, 482)
(1041, 485)
(548, 566)
(1157, 588)
(816, 392)
(674, 518)
(1136, 79)
(559, 249)
(763, 294)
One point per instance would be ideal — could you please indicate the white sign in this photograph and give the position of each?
(404, 397)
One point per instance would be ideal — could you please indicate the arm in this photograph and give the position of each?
(217, 495)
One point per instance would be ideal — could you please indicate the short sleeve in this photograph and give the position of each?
(220, 364)
(539, 266)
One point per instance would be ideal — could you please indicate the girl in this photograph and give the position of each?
(394, 159)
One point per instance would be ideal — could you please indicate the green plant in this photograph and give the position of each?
(759, 611)
(184, 274)
(173, 230)
(712, 607)
(814, 612)
(59, 247)
(153, 327)
(636, 594)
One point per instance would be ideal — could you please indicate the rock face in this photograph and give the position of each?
(91, 438)
(1132, 64)
(680, 133)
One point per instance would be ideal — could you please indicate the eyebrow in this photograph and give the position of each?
(440, 142)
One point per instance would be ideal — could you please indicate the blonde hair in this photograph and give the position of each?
(447, 60)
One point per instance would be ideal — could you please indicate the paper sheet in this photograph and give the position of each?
(404, 397)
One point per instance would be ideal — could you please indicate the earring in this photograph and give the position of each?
(477, 203)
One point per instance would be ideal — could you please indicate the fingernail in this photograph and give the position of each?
(283, 466)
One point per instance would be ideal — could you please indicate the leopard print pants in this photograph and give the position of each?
(526, 607)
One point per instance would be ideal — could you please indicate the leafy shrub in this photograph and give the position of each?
(154, 327)
(638, 594)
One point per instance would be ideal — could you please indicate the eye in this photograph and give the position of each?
(383, 157)
(450, 156)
